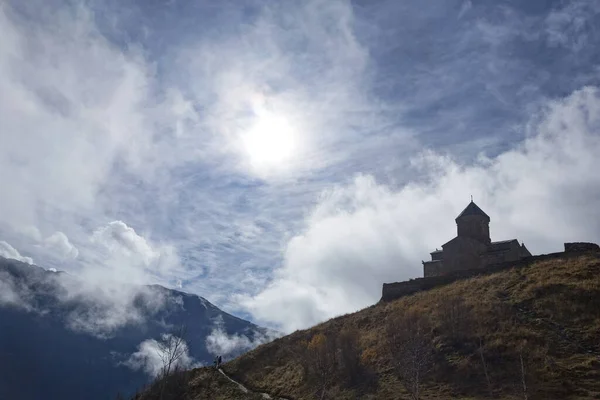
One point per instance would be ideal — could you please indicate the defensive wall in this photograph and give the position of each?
(392, 291)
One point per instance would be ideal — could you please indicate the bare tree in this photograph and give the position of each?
(484, 365)
(455, 316)
(321, 361)
(480, 330)
(171, 349)
(409, 343)
(523, 380)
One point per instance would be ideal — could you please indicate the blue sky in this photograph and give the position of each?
(284, 159)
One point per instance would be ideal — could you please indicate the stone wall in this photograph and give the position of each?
(513, 253)
(433, 268)
(463, 253)
(581, 247)
(495, 257)
(392, 291)
(474, 227)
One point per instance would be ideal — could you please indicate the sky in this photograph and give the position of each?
(285, 159)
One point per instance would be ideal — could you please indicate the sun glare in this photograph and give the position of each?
(270, 143)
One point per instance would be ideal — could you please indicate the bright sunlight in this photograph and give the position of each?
(270, 143)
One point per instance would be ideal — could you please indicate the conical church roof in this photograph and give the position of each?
(473, 209)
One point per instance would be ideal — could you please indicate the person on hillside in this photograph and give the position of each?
(220, 361)
(216, 362)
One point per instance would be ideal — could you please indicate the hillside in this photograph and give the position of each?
(38, 342)
(529, 332)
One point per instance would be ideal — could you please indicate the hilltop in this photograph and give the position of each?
(531, 331)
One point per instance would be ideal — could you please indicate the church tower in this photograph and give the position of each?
(474, 223)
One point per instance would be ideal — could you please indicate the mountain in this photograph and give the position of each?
(530, 331)
(59, 342)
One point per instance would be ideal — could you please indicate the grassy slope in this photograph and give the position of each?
(202, 384)
(211, 385)
(548, 313)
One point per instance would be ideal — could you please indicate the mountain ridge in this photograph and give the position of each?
(80, 344)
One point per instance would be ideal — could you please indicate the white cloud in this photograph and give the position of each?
(545, 192)
(58, 243)
(148, 357)
(7, 251)
(13, 293)
(566, 26)
(103, 307)
(70, 109)
(464, 8)
(56, 246)
(74, 110)
(121, 239)
(131, 256)
(236, 84)
(219, 343)
(30, 232)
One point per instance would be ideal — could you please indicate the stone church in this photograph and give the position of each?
(472, 247)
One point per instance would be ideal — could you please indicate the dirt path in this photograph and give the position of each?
(246, 390)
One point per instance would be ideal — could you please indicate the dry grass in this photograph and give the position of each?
(547, 313)
(199, 384)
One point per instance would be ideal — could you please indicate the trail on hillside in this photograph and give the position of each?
(246, 390)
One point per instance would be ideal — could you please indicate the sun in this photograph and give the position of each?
(270, 143)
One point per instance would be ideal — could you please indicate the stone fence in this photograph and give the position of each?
(581, 247)
(392, 291)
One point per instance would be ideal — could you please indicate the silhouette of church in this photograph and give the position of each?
(472, 247)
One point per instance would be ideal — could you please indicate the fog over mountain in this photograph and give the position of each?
(58, 341)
